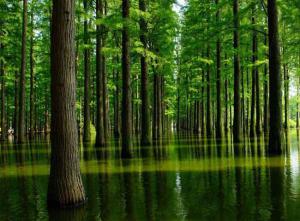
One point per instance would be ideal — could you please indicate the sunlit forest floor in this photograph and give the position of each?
(184, 177)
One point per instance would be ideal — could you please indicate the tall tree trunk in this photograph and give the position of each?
(286, 96)
(117, 102)
(3, 106)
(237, 97)
(126, 84)
(16, 113)
(219, 103)
(86, 105)
(266, 90)
(100, 136)
(32, 95)
(258, 116)
(254, 75)
(275, 100)
(21, 120)
(208, 101)
(145, 135)
(226, 100)
(65, 186)
(203, 104)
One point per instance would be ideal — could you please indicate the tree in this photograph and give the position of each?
(219, 104)
(86, 106)
(21, 112)
(65, 186)
(100, 135)
(237, 99)
(145, 133)
(275, 99)
(126, 87)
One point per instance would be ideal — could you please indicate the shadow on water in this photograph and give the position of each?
(184, 177)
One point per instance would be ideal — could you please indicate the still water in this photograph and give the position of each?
(182, 178)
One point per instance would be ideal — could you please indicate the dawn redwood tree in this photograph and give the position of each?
(254, 75)
(86, 105)
(100, 136)
(32, 95)
(208, 98)
(126, 128)
(275, 98)
(65, 186)
(237, 97)
(218, 85)
(21, 112)
(145, 132)
(3, 99)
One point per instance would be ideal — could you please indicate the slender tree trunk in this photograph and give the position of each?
(266, 103)
(86, 105)
(21, 120)
(117, 102)
(286, 96)
(65, 186)
(254, 75)
(226, 100)
(3, 106)
(16, 114)
(219, 103)
(258, 116)
(203, 104)
(237, 97)
(32, 95)
(275, 100)
(126, 87)
(100, 137)
(208, 101)
(145, 135)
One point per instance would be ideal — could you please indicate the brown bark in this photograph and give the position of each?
(237, 97)
(86, 105)
(65, 186)
(3, 99)
(218, 85)
(21, 120)
(275, 135)
(208, 100)
(100, 135)
(145, 123)
(32, 95)
(126, 84)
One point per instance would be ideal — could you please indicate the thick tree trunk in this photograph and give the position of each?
(126, 84)
(100, 136)
(226, 100)
(65, 184)
(237, 97)
(219, 103)
(275, 100)
(86, 105)
(21, 112)
(145, 135)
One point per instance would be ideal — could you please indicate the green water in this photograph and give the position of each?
(183, 178)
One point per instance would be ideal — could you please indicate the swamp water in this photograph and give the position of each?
(183, 178)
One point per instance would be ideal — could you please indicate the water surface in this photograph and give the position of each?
(182, 178)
